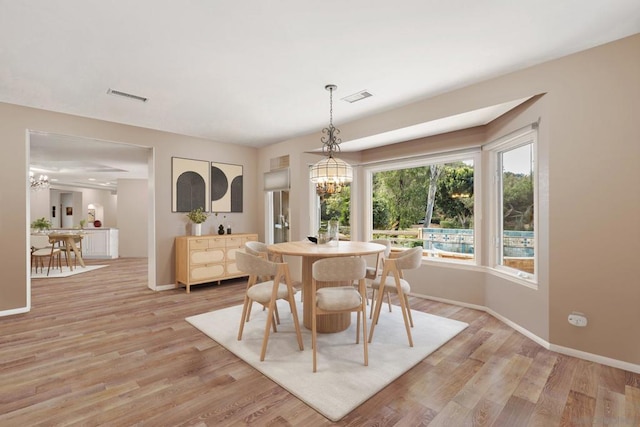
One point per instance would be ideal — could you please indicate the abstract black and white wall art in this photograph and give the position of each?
(190, 184)
(226, 187)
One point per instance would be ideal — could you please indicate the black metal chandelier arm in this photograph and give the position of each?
(330, 142)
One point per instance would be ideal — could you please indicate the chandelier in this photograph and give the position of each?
(39, 183)
(331, 174)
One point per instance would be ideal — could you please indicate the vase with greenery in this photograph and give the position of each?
(197, 217)
(41, 224)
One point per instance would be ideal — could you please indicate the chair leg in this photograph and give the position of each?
(373, 297)
(376, 314)
(249, 310)
(267, 329)
(364, 333)
(405, 316)
(50, 261)
(296, 322)
(314, 344)
(277, 314)
(406, 298)
(274, 321)
(245, 315)
(362, 314)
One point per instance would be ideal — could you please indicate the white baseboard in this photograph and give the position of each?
(620, 364)
(13, 311)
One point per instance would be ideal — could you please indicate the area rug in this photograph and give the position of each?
(65, 272)
(341, 382)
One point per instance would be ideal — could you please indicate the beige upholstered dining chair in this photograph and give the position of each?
(266, 293)
(261, 249)
(257, 248)
(339, 299)
(41, 248)
(396, 284)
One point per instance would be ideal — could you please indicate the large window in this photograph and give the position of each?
(428, 203)
(515, 189)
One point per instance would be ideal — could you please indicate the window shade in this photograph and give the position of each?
(276, 180)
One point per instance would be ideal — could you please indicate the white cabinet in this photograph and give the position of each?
(100, 243)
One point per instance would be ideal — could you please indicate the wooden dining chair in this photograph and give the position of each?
(261, 249)
(67, 252)
(41, 248)
(257, 248)
(396, 284)
(266, 293)
(339, 299)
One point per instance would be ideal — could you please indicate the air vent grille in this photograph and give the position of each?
(357, 96)
(127, 95)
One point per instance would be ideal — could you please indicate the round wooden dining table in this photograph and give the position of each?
(310, 253)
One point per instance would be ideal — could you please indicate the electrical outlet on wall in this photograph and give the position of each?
(578, 319)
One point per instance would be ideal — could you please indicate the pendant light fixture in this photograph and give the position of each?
(331, 174)
(39, 183)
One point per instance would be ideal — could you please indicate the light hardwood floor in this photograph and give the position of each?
(101, 349)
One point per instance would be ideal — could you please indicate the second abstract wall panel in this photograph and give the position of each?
(226, 187)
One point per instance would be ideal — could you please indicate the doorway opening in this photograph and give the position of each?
(91, 176)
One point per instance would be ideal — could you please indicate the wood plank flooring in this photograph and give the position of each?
(101, 349)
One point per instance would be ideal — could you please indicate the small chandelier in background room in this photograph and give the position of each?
(331, 174)
(39, 183)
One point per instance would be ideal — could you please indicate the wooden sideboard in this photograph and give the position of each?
(204, 259)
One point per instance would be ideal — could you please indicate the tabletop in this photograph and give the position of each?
(343, 248)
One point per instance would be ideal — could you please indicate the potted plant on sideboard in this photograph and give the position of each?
(197, 217)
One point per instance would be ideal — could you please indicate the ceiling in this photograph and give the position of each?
(253, 73)
(88, 163)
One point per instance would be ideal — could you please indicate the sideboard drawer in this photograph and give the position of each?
(206, 272)
(207, 256)
(235, 242)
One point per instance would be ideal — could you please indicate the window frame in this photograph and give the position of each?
(495, 149)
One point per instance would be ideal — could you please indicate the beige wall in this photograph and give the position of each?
(14, 214)
(589, 149)
(132, 217)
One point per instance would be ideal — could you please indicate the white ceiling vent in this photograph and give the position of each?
(357, 96)
(127, 95)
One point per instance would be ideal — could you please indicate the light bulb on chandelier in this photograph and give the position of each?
(39, 183)
(331, 174)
